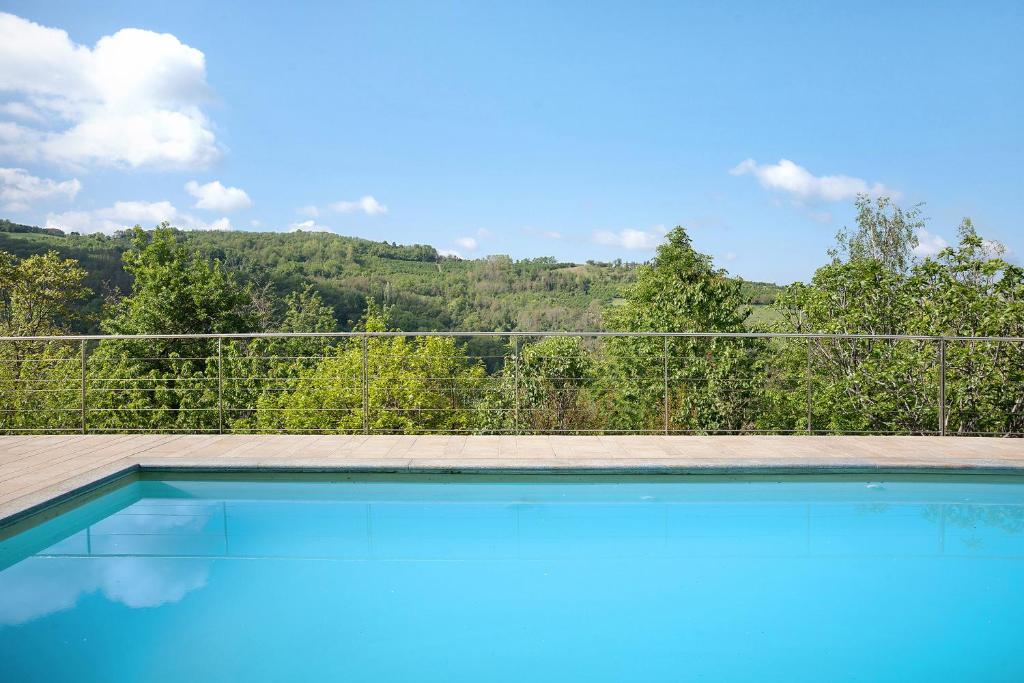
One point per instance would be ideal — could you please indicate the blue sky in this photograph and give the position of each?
(575, 129)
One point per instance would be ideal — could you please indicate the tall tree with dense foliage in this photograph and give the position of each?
(37, 378)
(175, 290)
(875, 285)
(970, 290)
(166, 383)
(710, 380)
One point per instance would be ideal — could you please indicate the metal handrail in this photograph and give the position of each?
(515, 337)
(515, 333)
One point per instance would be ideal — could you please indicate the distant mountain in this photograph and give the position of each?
(427, 290)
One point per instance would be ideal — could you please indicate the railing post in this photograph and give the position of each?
(83, 386)
(366, 387)
(942, 387)
(515, 366)
(810, 389)
(664, 377)
(220, 385)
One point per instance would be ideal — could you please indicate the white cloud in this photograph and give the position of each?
(20, 110)
(40, 586)
(19, 189)
(134, 99)
(803, 186)
(451, 253)
(367, 205)
(308, 226)
(546, 234)
(468, 243)
(641, 240)
(928, 244)
(125, 214)
(143, 212)
(823, 217)
(216, 197)
(729, 256)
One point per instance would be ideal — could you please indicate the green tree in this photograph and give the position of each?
(37, 294)
(554, 384)
(269, 366)
(874, 285)
(856, 385)
(166, 384)
(971, 290)
(710, 380)
(414, 385)
(178, 291)
(39, 380)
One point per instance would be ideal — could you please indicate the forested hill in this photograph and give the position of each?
(427, 291)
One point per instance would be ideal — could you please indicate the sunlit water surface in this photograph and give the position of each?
(671, 579)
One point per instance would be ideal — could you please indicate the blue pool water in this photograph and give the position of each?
(667, 579)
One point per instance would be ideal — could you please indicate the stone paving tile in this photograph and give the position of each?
(72, 481)
(18, 461)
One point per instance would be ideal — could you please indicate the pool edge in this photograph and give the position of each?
(53, 506)
(41, 511)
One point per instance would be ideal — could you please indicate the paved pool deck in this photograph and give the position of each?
(37, 471)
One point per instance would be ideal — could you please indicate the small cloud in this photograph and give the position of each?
(546, 234)
(729, 256)
(20, 110)
(141, 212)
(706, 223)
(124, 214)
(367, 205)
(639, 240)
(255, 223)
(803, 186)
(928, 244)
(19, 189)
(308, 226)
(216, 197)
(467, 243)
(450, 253)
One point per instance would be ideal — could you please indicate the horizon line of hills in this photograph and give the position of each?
(425, 290)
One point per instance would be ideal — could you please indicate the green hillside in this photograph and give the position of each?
(427, 291)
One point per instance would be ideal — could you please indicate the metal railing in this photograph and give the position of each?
(513, 383)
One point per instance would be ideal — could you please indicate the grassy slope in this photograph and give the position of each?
(427, 291)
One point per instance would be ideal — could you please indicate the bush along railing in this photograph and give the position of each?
(513, 383)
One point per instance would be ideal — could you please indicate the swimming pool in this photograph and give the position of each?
(359, 578)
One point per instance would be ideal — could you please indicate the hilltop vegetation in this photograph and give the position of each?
(873, 284)
(424, 290)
